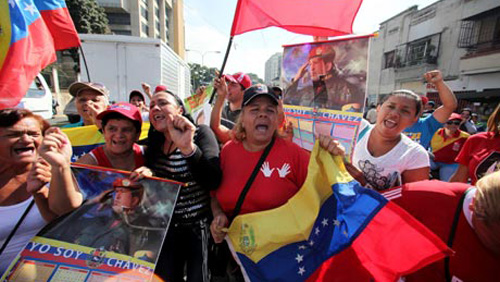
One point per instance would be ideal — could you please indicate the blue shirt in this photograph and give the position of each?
(423, 130)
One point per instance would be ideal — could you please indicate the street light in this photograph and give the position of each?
(202, 54)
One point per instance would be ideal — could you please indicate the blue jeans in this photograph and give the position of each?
(445, 170)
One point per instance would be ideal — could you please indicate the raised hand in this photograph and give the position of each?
(38, 176)
(94, 110)
(181, 132)
(434, 77)
(56, 148)
(266, 170)
(221, 86)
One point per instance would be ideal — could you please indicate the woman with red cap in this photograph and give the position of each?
(121, 127)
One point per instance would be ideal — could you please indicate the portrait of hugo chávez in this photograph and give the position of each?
(321, 83)
(116, 220)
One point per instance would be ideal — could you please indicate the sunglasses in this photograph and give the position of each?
(455, 122)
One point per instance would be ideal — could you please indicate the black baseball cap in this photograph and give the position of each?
(258, 90)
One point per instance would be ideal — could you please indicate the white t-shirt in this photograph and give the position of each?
(32, 223)
(384, 172)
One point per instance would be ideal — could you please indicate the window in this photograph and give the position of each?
(144, 12)
(145, 28)
(389, 59)
(481, 32)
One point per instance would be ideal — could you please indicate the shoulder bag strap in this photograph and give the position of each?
(26, 211)
(451, 237)
(244, 192)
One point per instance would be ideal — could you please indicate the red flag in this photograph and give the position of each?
(59, 22)
(310, 17)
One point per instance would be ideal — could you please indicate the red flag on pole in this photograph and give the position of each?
(310, 17)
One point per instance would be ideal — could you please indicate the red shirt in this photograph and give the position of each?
(102, 159)
(481, 154)
(434, 204)
(280, 177)
(445, 150)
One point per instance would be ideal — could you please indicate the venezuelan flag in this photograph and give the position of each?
(27, 44)
(332, 230)
(85, 138)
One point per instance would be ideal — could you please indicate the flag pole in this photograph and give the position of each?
(222, 68)
(85, 62)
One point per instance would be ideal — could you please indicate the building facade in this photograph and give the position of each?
(459, 37)
(273, 69)
(162, 19)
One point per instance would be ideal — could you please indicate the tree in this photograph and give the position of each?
(255, 78)
(88, 16)
(201, 75)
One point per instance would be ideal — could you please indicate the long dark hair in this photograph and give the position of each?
(156, 138)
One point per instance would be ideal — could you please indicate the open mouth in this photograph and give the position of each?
(118, 143)
(159, 117)
(261, 127)
(25, 151)
(390, 123)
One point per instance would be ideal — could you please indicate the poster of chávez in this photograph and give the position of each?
(117, 232)
(329, 75)
(125, 217)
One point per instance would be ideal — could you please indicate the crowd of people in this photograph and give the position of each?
(259, 168)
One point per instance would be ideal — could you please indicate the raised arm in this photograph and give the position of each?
(64, 195)
(447, 96)
(222, 133)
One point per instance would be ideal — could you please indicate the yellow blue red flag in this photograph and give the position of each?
(331, 228)
(30, 32)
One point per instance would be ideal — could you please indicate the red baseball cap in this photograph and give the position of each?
(123, 108)
(455, 116)
(160, 88)
(242, 78)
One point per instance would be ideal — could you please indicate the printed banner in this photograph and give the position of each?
(325, 88)
(85, 138)
(116, 235)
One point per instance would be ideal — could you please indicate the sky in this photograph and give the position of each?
(208, 24)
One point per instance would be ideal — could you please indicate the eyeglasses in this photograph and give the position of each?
(455, 122)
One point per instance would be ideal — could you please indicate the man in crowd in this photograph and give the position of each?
(325, 86)
(467, 124)
(223, 117)
(423, 130)
(90, 100)
(429, 107)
